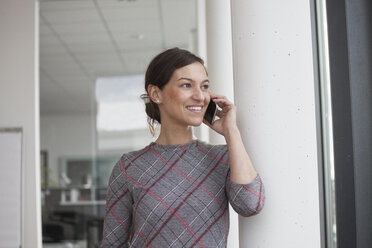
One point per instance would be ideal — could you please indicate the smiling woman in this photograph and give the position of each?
(175, 192)
(175, 72)
(184, 99)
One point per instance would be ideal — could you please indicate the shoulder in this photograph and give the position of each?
(218, 152)
(135, 153)
(213, 148)
(129, 158)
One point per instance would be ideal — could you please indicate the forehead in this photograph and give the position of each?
(195, 71)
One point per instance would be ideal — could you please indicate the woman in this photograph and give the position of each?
(175, 191)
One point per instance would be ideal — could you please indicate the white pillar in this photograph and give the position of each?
(19, 102)
(202, 132)
(275, 98)
(219, 52)
(220, 74)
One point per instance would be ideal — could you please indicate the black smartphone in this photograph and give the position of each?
(210, 113)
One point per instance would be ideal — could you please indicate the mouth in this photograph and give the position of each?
(195, 108)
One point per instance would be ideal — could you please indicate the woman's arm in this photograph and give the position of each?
(244, 187)
(241, 167)
(118, 217)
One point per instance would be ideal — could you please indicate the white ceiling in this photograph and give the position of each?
(81, 40)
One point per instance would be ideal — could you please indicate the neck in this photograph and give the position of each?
(175, 135)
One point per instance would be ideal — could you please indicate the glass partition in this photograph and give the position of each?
(93, 56)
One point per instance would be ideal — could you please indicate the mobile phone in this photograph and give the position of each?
(210, 113)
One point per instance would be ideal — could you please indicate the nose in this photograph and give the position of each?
(198, 94)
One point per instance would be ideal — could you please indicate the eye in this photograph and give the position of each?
(186, 85)
(205, 86)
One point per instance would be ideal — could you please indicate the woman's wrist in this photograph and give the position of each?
(232, 132)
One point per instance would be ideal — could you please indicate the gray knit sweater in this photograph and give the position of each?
(175, 196)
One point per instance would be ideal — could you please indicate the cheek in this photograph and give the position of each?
(207, 97)
(177, 97)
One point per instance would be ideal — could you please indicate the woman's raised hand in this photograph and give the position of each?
(227, 115)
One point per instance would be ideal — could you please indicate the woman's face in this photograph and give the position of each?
(184, 99)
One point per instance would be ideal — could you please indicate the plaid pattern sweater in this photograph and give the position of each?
(175, 196)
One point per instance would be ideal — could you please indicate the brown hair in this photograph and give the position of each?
(159, 72)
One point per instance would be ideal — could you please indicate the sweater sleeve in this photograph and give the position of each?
(118, 218)
(246, 199)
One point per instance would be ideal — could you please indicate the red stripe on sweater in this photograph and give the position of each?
(148, 189)
(210, 154)
(158, 198)
(120, 222)
(183, 201)
(116, 201)
(213, 223)
(223, 161)
(130, 163)
(196, 183)
(259, 201)
(254, 192)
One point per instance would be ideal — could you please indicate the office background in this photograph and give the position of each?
(299, 72)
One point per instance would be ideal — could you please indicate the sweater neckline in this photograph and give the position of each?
(186, 145)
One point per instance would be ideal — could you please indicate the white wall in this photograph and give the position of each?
(19, 102)
(275, 97)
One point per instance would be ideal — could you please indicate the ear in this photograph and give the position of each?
(154, 93)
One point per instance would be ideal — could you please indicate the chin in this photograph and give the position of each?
(195, 123)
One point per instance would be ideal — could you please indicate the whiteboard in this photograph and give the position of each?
(10, 187)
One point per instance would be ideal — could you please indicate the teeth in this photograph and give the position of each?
(195, 108)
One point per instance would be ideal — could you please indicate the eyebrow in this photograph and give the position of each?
(189, 79)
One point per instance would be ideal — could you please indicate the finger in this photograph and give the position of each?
(217, 96)
(225, 110)
(222, 99)
(222, 102)
(220, 114)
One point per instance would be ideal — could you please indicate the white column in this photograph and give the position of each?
(275, 98)
(219, 52)
(202, 132)
(220, 74)
(19, 102)
(219, 47)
